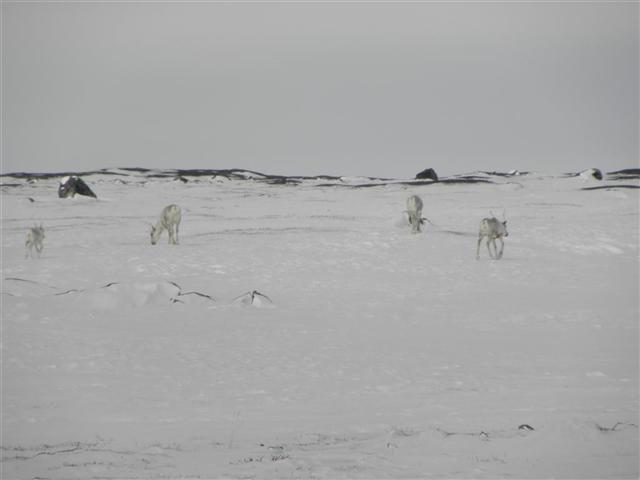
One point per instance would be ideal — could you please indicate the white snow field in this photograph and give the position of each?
(377, 354)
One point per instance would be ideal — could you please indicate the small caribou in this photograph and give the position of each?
(414, 210)
(493, 229)
(35, 239)
(169, 220)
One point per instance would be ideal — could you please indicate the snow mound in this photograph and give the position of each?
(122, 295)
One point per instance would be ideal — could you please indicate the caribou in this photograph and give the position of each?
(492, 229)
(170, 221)
(414, 210)
(35, 239)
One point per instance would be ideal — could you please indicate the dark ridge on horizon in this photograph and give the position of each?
(44, 176)
(626, 174)
(609, 187)
(169, 173)
(241, 174)
(516, 173)
(626, 171)
(446, 181)
(480, 176)
(230, 173)
(134, 169)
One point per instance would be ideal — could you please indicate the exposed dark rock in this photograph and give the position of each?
(135, 169)
(467, 179)
(510, 173)
(427, 174)
(591, 173)
(72, 185)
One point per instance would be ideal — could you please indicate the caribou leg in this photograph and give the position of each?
(489, 241)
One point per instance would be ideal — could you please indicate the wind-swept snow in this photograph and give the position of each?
(302, 331)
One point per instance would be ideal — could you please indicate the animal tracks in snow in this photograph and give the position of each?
(253, 298)
(303, 455)
(113, 295)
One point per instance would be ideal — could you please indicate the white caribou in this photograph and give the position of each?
(169, 221)
(492, 229)
(35, 239)
(414, 210)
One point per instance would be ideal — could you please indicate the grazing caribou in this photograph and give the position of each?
(493, 229)
(35, 239)
(169, 220)
(414, 210)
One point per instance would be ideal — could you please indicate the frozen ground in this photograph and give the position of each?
(383, 355)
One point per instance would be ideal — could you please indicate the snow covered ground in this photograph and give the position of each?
(382, 355)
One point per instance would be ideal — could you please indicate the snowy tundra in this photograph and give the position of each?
(380, 354)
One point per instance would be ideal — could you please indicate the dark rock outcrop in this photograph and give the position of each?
(427, 174)
(591, 173)
(72, 185)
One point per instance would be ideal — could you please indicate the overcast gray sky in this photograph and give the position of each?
(346, 88)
